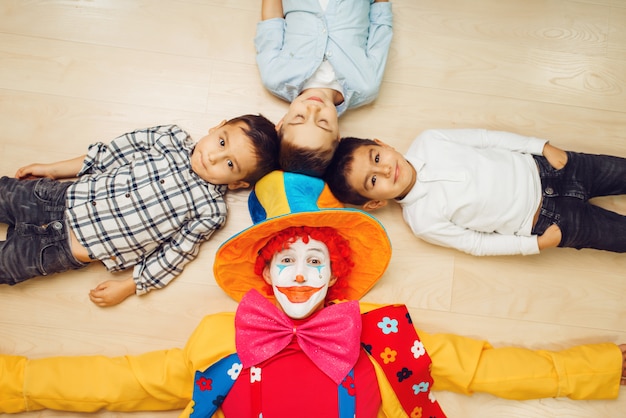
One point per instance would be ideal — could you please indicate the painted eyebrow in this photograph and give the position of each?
(316, 250)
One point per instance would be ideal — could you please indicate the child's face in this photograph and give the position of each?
(379, 172)
(225, 155)
(311, 121)
(300, 276)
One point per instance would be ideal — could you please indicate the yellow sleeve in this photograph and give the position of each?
(465, 365)
(90, 383)
(159, 380)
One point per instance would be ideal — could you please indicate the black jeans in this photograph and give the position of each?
(37, 241)
(565, 201)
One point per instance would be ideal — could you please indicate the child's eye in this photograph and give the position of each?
(377, 158)
(222, 142)
(373, 181)
(230, 163)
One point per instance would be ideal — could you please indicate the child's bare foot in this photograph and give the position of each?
(623, 348)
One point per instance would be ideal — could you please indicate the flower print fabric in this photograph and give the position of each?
(391, 340)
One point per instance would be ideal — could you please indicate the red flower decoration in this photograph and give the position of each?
(348, 383)
(204, 384)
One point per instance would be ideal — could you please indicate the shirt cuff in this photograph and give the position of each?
(141, 288)
(530, 245)
(535, 146)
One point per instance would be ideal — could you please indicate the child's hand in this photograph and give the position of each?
(34, 171)
(555, 156)
(112, 292)
(59, 170)
(550, 238)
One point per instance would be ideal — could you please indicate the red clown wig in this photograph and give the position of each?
(338, 247)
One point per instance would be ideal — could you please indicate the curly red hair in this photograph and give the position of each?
(338, 247)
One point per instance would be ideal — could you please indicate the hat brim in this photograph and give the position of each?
(370, 245)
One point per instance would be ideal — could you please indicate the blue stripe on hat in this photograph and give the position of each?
(302, 192)
(257, 211)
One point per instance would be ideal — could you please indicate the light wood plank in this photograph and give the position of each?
(72, 73)
(554, 25)
(617, 34)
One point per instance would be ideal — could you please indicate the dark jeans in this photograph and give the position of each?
(37, 241)
(565, 201)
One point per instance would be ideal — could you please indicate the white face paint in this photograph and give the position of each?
(300, 276)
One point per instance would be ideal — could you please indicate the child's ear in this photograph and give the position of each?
(374, 204)
(279, 124)
(240, 184)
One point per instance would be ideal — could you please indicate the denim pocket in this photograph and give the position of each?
(52, 260)
(51, 193)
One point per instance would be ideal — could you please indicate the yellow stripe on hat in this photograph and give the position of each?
(270, 191)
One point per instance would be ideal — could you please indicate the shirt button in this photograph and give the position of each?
(162, 181)
(127, 194)
(93, 203)
(549, 190)
(57, 225)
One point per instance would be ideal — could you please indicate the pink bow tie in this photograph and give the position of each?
(330, 338)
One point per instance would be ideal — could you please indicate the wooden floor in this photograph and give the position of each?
(74, 71)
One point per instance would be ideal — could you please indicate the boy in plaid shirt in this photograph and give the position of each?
(145, 201)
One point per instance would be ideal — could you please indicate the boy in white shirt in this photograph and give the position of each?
(487, 192)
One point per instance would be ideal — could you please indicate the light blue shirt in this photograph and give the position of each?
(353, 35)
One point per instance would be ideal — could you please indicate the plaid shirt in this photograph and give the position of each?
(138, 203)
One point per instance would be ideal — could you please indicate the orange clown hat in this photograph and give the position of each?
(281, 200)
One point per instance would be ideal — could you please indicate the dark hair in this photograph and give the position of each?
(264, 139)
(336, 175)
(309, 161)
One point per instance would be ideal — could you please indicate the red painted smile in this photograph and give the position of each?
(298, 294)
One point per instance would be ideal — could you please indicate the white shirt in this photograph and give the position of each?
(476, 190)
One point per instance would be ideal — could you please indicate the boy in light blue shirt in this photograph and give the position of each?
(324, 57)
